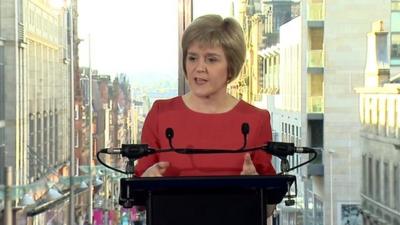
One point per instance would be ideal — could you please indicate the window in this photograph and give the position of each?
(395, 25)
(318, 211)
(2, 109)
(31, 146)
(396, 187)
(370, 183)
(395, 49)
(45, 139)
(395, 31)
(20, 11)
(395, 5)
(76, 112)
(386, 183)
(377, 180)
(2, 81)
(364, 174)
(76, 139)
(38, 151)
(52, 148)
(56, 135)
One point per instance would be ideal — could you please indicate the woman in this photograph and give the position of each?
(207, 117)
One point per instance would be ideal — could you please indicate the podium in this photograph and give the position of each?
(216, 200)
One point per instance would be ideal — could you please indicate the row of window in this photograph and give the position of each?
(395, 33)
(291, 133)
(2, 110)
(42, 23)
(2, 81)
(43, 150)
(381, 110)
(291, 129)
(381, 181)
(269, 72)
(314, 209)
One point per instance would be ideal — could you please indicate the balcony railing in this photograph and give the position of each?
(316, 58)
(316, 12)
(380, 114)
(315, 104)
(375, 210)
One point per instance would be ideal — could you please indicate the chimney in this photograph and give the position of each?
(377, 68)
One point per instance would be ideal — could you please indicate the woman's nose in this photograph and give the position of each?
(201, 66)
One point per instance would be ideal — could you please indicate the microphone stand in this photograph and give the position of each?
(285, 168)
(279, 149)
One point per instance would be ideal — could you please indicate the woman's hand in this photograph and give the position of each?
(248, 166)
(156, 170)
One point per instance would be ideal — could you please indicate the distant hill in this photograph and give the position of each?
(151, 78)
(154, 86)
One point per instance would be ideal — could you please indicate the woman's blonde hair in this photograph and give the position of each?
(213, 31)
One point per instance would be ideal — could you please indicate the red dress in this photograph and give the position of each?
(205, 131)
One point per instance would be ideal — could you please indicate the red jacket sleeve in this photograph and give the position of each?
(262, 160)
(150, 137)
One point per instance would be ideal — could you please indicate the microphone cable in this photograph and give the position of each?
(135, 151)
(104, 150)
(301, 164)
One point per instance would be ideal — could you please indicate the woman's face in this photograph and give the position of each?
(207, 70)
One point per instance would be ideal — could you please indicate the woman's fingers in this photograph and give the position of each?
(248, 166)
(156, 170)
(162, 167)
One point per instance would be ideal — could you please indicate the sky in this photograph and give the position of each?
(136, 37)
(128, 36)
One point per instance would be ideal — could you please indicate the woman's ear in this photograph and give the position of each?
(229, 78)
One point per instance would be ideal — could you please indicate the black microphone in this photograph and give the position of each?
(245, 132)
(111, 151)
(245, 129)
(283, 149)
(134, 151)
(169, 133)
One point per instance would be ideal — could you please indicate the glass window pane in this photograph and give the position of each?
(377, 181)
(395, 22)
(2, 81)
(396, 187)
(396, 5)
(395, 49)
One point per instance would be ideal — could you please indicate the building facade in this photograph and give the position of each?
(307, 82)
(35, 114)
(380, 132)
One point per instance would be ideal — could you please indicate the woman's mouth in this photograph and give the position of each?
(200, 81)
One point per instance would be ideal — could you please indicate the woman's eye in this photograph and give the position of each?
(191, 58)
(212, 60)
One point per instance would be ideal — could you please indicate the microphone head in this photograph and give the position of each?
(245, 128)
(169, 133)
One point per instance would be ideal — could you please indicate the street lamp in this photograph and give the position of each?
(331, 151)
(67, 5)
